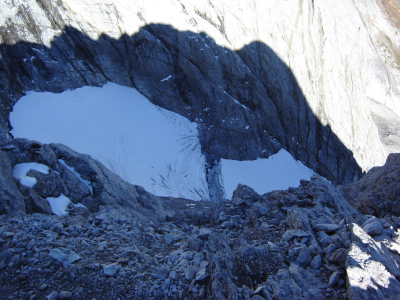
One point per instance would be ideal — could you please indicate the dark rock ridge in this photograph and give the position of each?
(247, 102)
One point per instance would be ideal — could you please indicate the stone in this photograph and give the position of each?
(33, 202)
(284, 286)
(64, 256)
(373, 228)
(316, 262)
(333, 279)
(47, 156)
(52, 296)
(5, 256)
(77, 190)
(65, 295)
(326, 227)
(46, 184)
(170, 238)
(304, 257)
(197, 259)
(201, 274)
(293, 233)
(247, 194)
(204, 233)
(297, 219)
(160, 273)
(189, 273)
(174, 275)
(110, 269)
(308, 282)
(339, 257)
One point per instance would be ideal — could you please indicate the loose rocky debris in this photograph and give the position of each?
(303, 243)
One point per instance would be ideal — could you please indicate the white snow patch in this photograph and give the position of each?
(84, 181)
(20, 170)
(278, 172)
(137, 140)
(59, 205)
(166, 78)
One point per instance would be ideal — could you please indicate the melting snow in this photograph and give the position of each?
(59, 205)
(20, 170)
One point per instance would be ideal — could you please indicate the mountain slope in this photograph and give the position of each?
(304, 74)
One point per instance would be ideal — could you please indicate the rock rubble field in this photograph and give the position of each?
(302, 243)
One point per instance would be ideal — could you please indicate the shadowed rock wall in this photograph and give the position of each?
(247, 103)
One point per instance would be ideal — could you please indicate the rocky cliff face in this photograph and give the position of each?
(253, 79)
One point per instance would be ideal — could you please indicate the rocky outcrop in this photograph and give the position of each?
(11, 198)
(76, 176)
(265, 85)
(378, 192)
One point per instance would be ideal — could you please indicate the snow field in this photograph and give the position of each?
(137, 140)
(278, 172)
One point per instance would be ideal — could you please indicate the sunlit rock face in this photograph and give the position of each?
(256, 76)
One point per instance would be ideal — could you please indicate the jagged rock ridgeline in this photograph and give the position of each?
(228, 73)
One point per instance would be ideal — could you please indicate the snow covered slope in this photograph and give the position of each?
(137, 140)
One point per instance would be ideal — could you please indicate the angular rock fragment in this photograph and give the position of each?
(64, 256)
